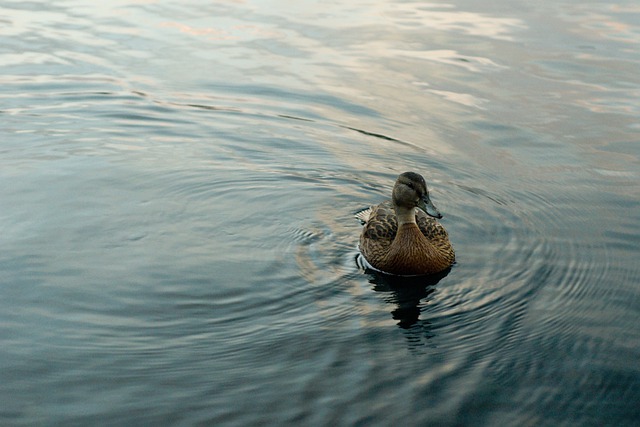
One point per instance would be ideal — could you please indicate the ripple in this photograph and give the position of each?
(507, 268)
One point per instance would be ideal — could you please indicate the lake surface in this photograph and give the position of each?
(178, 187)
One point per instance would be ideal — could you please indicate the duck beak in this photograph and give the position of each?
(428, 207)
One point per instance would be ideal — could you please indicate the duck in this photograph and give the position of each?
(402, 236)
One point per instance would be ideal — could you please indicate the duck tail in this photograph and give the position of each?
(363, 215)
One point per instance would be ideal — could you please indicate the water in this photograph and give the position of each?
(179, 184)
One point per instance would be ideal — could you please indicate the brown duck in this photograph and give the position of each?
(399, 239)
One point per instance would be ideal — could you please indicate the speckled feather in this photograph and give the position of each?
(381, 225)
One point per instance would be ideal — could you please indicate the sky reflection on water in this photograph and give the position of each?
(177, 215)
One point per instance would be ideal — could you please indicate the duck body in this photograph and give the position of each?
(401, 236)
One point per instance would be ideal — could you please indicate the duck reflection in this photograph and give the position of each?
(408, 295)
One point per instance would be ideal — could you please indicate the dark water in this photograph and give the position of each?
(178, 187)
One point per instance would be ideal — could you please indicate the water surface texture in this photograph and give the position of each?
(178, 184)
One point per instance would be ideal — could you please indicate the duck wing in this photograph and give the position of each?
(430, 228)
(381, 223)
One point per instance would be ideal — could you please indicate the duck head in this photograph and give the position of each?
(410, 191)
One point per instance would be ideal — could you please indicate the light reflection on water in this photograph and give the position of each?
(177, 215)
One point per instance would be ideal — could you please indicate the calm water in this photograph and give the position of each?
(178, 187)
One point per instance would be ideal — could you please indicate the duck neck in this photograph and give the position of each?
(405, 215)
